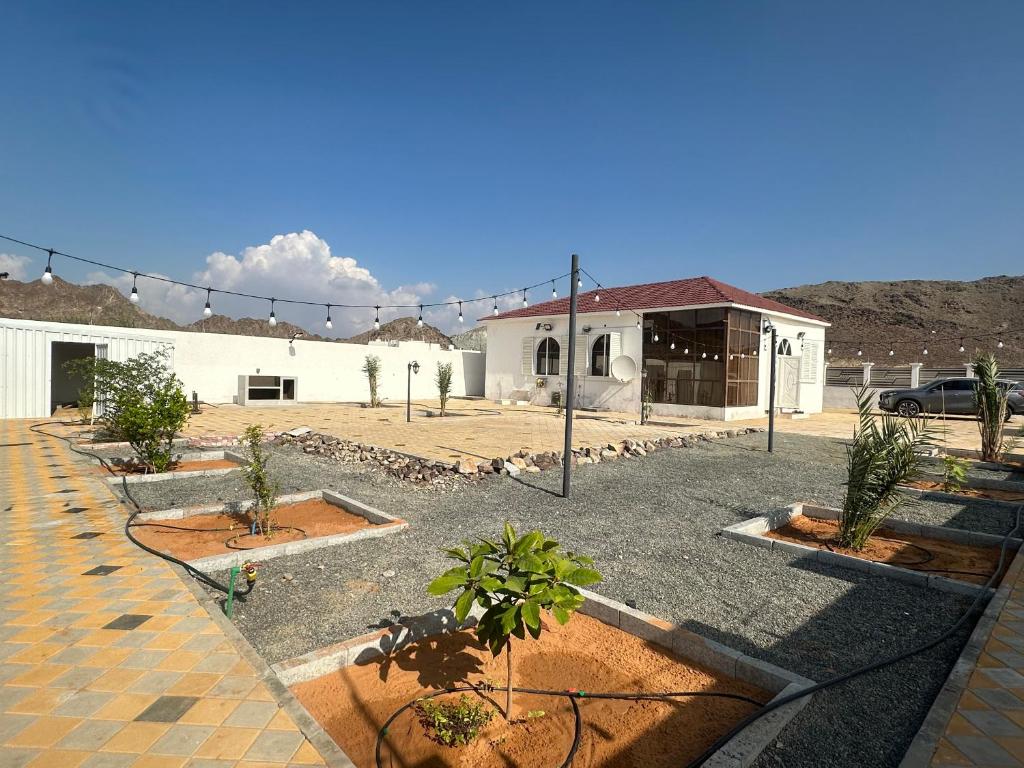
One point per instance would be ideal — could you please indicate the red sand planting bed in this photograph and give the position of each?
(352, 703)
(177, 466)
(951, 559)
(209, 533)
(973, 493)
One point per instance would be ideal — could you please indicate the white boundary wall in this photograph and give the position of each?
(506, 372)
(210, 363)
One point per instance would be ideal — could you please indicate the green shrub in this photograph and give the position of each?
(443, 379)
(954, 473)
(371, 367)
(264, 490)
(513, 580)
(454, 723)
(885, 452)
(990, 399)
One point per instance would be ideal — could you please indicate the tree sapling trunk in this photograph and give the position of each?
(508, 685)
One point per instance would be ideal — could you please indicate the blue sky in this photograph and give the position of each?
(450, 148)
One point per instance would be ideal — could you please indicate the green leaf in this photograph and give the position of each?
(463, 605)
(527, 542)
(509, 535)
(476, 567)
(532, 564)
(447, 582)
(457, 553)
(581, 577)
(510, 618)
(560, 614)
(515, 585)
(531, 614)
(491, 584)
(534, 631)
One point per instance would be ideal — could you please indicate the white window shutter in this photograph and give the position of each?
(582, 353)
(614, 346)
(527, 363)
(809, 363)
(563, 355)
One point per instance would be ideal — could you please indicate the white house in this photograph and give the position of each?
(698, 347)
(220, 368)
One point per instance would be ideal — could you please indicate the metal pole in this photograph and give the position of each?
(771, 398)
(408, 392)
(570, 379)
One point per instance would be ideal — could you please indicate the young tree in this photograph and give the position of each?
(264, 490)
(990, 399)
(883, 454)
(443, 379)
(371, 367)
(513, 580)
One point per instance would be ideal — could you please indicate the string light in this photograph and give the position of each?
(419, 322)
(716, 356)
(328, 325)
(828, 351)
(273, 317)
(999, 343)
(495, 305)
(376, 318)
(597, 297)
(579, 282)
(925, 350)
(618, 312)
(686, 350)
(47, 278)
(655, 335)
(891, 351)
(672, 345)
(703, 355)
(554, 293)
(638, 322)
(461, 318)
(860, 352)
(961, 345)
(134, 296)
(525, 302)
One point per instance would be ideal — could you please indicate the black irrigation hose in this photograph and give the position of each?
(838, 679)
(572, 696)
(130, 522)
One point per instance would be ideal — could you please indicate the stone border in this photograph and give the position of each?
(926, 741)
(980, 483)
(752, 532)
(196, 456)
(382, 525)
(957, 498)
(739, 752)
(332, 754)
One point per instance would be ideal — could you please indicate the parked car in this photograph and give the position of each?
(953, 396)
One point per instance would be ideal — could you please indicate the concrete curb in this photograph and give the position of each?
(981, 483)
(382, 524)
(199, 456)
(332, 754)
(752, 532)
(740, 752)
(923, 747)
(957, 498)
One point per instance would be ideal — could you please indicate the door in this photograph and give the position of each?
(788, 385)
(956, 396)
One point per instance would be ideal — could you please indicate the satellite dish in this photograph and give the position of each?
(624, 368)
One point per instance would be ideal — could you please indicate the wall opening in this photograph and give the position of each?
(65, 386)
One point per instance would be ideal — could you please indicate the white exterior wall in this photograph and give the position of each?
(210, 363)
(505, 373)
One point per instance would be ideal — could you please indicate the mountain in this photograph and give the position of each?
(909, 315)
(99, 304)
(402, 329)
(474, 338)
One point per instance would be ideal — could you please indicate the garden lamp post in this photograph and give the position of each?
(412, 368)
(769, 327)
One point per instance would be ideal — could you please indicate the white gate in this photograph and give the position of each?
(789, 382)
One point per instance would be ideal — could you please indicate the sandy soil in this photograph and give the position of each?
(207, 534)
(918, 553)
(974, 493)
(353, 703)
(177, 466)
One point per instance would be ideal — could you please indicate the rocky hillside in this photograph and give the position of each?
(904, 314)
(402, 329)
(475, 339)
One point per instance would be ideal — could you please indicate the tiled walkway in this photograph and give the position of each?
(987, 728)
(106, 657)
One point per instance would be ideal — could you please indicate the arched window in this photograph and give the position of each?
(547, 357)
(785, 348)
(600, 364)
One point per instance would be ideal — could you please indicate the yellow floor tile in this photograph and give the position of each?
(227, 743)
(44, 732)
(136, 737)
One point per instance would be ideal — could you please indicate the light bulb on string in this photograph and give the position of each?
(860, 352)
(891, 351)
(208, 310)
(495, 305)
(597, 297)
(703, 355)
(134, 296)
(376, 318)
(925, 351)
(828, 351)
(656, 336)
(419, 322)
(273, 317)
(47, 278)
(554, 293)
(999, 344)
(686, 350)
(461, 319)
(525, 302)
(618, 312)
(328, 325)
(716, 356)
(579, 282)
(961, 349)
(672, 345)
(638, 324)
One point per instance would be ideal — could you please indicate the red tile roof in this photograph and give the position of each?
(693, 291)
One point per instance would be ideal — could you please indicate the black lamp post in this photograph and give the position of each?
(412, 368)
(769, 327)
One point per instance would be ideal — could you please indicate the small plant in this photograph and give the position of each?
(513, 580)
(954, 473)
(264, 490)
(646, 405)
(990, 399)
(556, 400)
(443, 379)
(371, 367)
(454, 723)
(884, 453)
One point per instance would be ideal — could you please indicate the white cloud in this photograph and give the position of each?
(16, 266)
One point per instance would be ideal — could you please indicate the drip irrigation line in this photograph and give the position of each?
(130, 522)
(874, 666)
(572, 695)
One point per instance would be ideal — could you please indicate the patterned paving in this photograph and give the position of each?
(987, 728)
(106, 657)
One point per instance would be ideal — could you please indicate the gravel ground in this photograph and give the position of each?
(653, 527)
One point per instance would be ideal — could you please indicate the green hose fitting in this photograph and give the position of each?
(229, 606)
